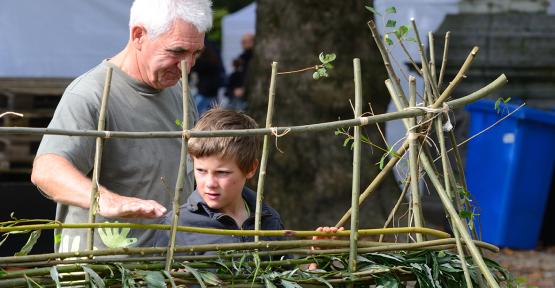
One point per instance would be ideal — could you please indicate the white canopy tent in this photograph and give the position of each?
(59, 38)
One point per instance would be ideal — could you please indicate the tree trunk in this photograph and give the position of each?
(310, 182)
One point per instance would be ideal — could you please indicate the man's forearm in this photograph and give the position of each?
(61, 181)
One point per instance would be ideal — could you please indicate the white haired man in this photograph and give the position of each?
(145, 96)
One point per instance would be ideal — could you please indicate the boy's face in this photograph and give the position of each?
(220, 182)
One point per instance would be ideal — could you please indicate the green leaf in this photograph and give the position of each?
(403, 30)
(55, 276)
(179, 123)
(115, 238)
(322, 72)
(321, 57)
(196, 274)
(57, 238)
(155, 279)
(391, 23)
(371, 9)
(31, 283)
(328, 66)
(316, 76)
(329, 58)
(95, 278)
(290, 284)
(387, 281)
(465, 214)
(210, 278)
(31, 241)
(269, 283)
(170, 278)
(388, 40)
(391, 10)
(346, 142)
(2, 272)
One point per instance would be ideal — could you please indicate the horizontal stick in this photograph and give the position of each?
(366, 246)
(285, 233)
(362, 121)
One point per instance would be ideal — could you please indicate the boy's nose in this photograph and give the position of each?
(211, 181)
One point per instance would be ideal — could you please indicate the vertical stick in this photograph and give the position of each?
(424, 59)
(413, 156)
(457, 223)
(265, 152)
(444, 60)
(181, 177)
(353, 245)
(462, 177)
(432, 55)
(98, 157)
(385, 56)
(446, 179)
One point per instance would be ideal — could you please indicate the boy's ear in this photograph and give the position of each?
(253, 169)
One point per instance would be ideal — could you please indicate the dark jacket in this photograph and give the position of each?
(195, 212)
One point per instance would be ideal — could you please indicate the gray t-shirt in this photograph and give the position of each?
(130, 167)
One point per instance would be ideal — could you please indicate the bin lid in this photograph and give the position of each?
(525, 113)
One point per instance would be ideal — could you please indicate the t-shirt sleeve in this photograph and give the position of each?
(76, 111)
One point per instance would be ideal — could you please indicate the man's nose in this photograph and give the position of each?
(189, 61)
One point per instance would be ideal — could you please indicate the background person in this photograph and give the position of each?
(210, 76)
(145, 95)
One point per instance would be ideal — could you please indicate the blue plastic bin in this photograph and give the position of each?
(509, 170)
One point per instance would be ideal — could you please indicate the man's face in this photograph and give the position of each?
(159, 59)
(220, 182)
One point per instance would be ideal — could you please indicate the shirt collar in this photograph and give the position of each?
(196, 203)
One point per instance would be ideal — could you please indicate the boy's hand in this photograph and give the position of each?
(313, 266)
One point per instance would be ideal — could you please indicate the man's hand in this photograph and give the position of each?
(313, 266)
(111, 205)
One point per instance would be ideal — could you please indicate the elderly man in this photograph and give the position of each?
(145, 96)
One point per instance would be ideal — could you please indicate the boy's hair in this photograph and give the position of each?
(243, 149)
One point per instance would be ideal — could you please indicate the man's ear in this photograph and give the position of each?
(138, 36)
(252, 171)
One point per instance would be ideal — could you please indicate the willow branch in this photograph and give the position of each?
(488, 89)
(413, 162)
(265, 151)
(444, 59)
(499, 82)
(397, 205)
(460, 75)
(315, 67)
(457, 223)
(182, 171)
(98, 158)
(356, 170)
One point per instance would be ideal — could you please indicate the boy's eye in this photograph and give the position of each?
(201, 171)
(223, 173)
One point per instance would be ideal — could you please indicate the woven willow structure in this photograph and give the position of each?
(354, 262)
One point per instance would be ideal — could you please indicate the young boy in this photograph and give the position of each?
(221, 200)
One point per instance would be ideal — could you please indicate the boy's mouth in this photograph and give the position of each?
(212, 196)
